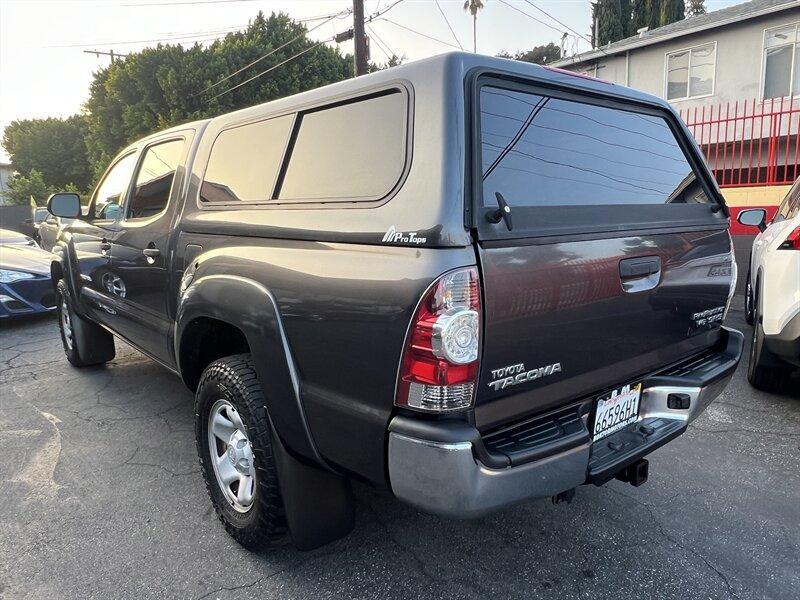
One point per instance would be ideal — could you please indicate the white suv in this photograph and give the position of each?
(772, 303)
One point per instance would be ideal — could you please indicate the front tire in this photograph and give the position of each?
(236, 457)
(85, 343)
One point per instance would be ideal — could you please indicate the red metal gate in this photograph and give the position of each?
(750, 143)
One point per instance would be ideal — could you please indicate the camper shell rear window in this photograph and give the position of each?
(579, 163)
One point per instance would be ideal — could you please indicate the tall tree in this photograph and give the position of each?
(695, 7)
(610, 23)
(167, 85)
(653, 13)
(55, 148)
(539, 55)
(671, 11)
(23, 187)
(640, 17)
(473, 7)
(626, 16)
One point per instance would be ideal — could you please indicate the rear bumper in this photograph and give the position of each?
(445, 467)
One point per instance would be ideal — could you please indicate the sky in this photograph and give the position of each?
(44, 71)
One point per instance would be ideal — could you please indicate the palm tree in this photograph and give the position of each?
(473, 6)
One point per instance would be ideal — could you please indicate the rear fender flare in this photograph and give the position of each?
(251, 307)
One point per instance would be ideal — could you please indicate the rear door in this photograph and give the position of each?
(613, 248)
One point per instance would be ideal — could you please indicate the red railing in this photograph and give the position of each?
(750, 143)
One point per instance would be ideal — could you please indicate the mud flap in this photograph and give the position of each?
(319, 505)
(94, 344)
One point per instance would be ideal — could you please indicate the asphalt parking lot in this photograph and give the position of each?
(101, 497)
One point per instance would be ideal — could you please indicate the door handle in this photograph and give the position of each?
(151, 252)
(639, 267)
(640, 274)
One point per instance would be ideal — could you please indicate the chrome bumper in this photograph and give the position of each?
(443, 467)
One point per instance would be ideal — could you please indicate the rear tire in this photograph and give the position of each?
(85, 343)
(763, 371)
(229, 390)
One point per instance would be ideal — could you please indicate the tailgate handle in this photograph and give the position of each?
(639, 267)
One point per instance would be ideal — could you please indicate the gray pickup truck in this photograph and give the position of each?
(468, 280)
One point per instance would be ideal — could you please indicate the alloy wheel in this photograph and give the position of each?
(231, 455)
(66, 323)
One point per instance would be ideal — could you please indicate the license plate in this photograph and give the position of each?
(616, 410)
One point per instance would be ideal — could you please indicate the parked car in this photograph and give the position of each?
(14, 238)
(48, 231)
(772, 298)
(443, 279)
(25, 286)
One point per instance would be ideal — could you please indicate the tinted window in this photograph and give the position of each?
(354, 150)
(154, 180)
(244, 161)
(540, 151)
(115, 183)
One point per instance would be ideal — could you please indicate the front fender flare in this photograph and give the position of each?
(251, 307)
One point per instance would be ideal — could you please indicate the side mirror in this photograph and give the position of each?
(64, 204)
(754, 217)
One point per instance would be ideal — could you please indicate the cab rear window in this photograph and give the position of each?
(543, 151)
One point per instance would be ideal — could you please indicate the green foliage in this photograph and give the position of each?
(655, 13)
(473, 7)
(55, 148)
(611, 25)
(671, 11)
(695, 7)
(639, 16)
(22, 187)
(168, 85)
(539, 55)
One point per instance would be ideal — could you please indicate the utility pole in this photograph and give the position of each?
(360, 39)
(110, 53)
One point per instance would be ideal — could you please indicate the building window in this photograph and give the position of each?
(690, 72)
(781, 61)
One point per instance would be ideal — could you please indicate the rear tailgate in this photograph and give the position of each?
(617, 261)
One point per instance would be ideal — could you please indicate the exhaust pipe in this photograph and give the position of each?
(635, 474)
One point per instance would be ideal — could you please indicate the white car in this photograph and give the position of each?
(772, 303)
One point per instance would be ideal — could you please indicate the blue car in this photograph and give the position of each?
(25, 286)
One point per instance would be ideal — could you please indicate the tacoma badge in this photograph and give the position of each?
(516, 374)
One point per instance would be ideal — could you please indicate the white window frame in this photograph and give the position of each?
(689, 72)
(764, 61)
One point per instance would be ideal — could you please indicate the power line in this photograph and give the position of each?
(425, 35)
(199, 34)
(530, 16)
(272, 68)
(580, 35)
(381, 43)
(143, 4)
(378, 13)
(273, 51)
(450, 27)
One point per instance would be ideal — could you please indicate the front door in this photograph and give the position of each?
(140, 255)
(92, 237)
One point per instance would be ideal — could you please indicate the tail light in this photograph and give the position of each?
(439, 368)
(734, 278)
(792, 242)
